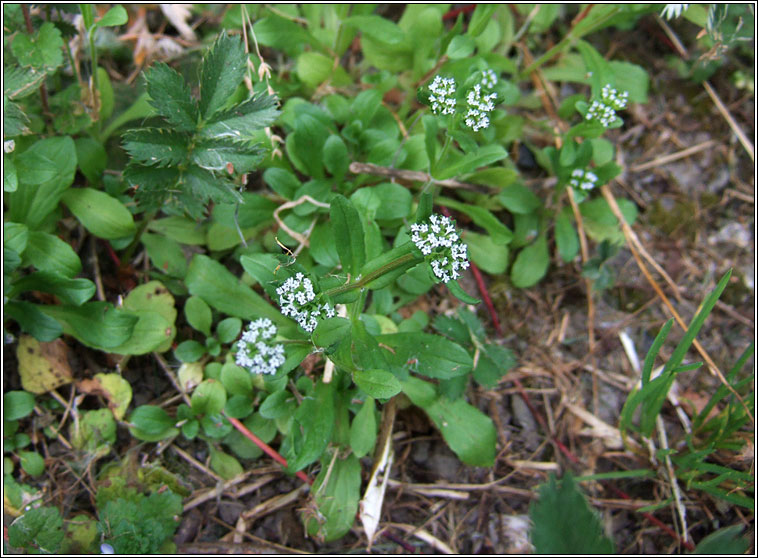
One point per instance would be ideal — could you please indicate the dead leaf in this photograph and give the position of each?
(42, 366)
(178, 15)
(112, 387)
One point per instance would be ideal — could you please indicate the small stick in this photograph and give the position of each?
(196, 464)
(673, 156)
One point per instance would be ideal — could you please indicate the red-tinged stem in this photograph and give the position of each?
(112, 254)
(486, 297)
(268, 450)
(452, 14)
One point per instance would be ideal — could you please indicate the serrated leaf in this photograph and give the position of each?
(20, 82)
(218, 154)
(563, 522)
(170, 96)
(45, 50)
(203, 186)
(242, 121)
(156, 146)
(222, 70)
(42, 527)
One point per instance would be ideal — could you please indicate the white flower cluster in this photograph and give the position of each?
(439, 239)
(605, 109)
(443, 95)
(489, 79)
(673, 11)
(584, 179)
(255, 350)
(478, 108)
(297, 299)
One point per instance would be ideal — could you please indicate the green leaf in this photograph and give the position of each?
(92, 158)
(228, 329)
(155, 330)
(96, 324)
(336, 157)
(216, 285)
(566, 239)
(44, 51)
(19, 82)
(363, 429)
(480, 18)
(455, 288)
(17, 404)
(466, 430)
(493, 363)
(47, 168)
(378, 28)
(15, 236)
(724, 541)
(102, 215)
(484, 218)
(337, 491)
(460, 47)
(165, 254)
(282, 34)
(179, 229)
(282, 181)
(170, 96)
(427, 354)
(531, 264)
(517, 198)
(189, 351)
(563, 522)
(470, 162)
(49, 253)
(39, 527)
(316, 418)
(330, 331)
(348, 234)
(156, 146)
(208, 398)
(113, 18)
(95, 432)
(198, 315)
(224, 464)
(33, 321)
(151, 423)
(216, 154)
(486, 253)
(222, 70)
(243, 120)
(378, 384)
(70, 291)
(277, 405)
(236, 380)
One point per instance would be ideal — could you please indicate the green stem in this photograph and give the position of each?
(89, 25)
(372, 275)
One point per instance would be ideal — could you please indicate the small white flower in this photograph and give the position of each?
(489, 79)
(298, 300)
(9, 146)
(673, 11)
(256, 351)
(442, 95)
(439, 241)
(583, 179)
(604, 110)
(478, 108)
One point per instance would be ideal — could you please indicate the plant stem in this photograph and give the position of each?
(373, 275)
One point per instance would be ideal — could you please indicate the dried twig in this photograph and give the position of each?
(196, 464)
(665, 159)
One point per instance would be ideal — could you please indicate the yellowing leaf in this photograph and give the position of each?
(42, 366)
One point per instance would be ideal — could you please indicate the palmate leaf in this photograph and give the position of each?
(20, 82)
(216, 155)
(170, 96)
(241, 121)
(156, 146)
(223, 69)
(204, 186)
